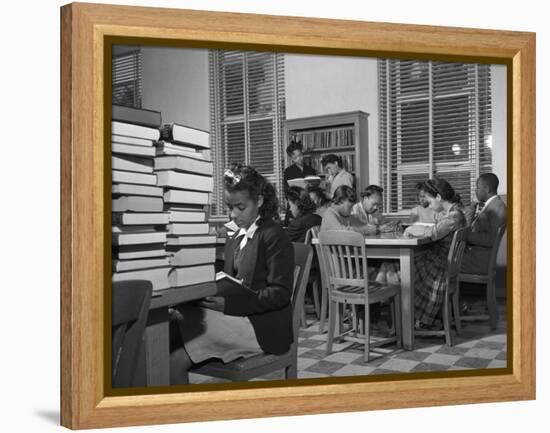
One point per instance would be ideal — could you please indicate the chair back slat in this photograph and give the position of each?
(456, 252)
(303, 256)
(494, 250)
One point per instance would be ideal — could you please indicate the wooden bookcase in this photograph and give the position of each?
(343, 134)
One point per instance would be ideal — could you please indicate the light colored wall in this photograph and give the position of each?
(175, 82)
(318, 85)
(498, 96)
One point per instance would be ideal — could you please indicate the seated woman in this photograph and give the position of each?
(422, 213)
(261, 255)
(338, 216)
(302, 209)
(431, 265)
(319, 197)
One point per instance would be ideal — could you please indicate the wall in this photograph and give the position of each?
(175, 82)
(318, 85)
(498, 96)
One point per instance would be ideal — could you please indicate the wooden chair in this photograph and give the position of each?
(322, 285)
(131, 300)
(451, 297)
(260, 365)
(344, 256)
(489, 280)
(314, 276)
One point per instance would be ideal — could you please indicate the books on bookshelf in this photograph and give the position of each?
(130, 149)
(134, 141)
(188, 181)
(137, 131)
(188, 275)
(192, 255)
(140, 219)
(164, 148)
(138, 238)
(185, 196)
(133, 265)
(137, 116)
(183, 216)
(133, 177)
(129, 203)
(159, 277)
(132, 163)
(132, 252)
(185, 134)
(131, 189)
(184, 164)
(191, 240)
(181, 229)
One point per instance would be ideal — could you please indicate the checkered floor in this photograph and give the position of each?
(477, 347)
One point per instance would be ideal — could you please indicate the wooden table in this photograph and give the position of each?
(395, 246)
(157, 333)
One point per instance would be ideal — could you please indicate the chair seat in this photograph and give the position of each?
(377, 292)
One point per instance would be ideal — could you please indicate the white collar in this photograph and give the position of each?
(248, 233)
(490, 200)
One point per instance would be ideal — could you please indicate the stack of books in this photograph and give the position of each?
(184, 171)
(139, 222)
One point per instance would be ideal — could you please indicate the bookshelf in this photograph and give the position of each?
(343, 134)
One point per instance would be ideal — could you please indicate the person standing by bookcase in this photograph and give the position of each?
(338, 175)
(297, 170)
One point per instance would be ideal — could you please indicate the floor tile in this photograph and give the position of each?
(343, 357)
(472, 362)
(495, 363)
(426, 366)
(354, 370)
(476, 352)
(437, 358)
(402, 365)
(325, 367)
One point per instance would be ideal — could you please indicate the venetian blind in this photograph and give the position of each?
(127, 79)
(435, 120)
(247, 113)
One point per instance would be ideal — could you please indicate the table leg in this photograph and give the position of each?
(157, 343)
(407, 296)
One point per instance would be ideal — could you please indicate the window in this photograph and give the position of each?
(247, 113)
(435, 120)
(127, 69)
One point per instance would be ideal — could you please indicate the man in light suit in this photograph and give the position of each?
(484, 218)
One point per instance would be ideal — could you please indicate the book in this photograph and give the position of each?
(187, 181)
(130, 149)
(137, 116)
(159, 277)
(188, 228)
(182, 196)
(131, 189)
(137, 204)
(185, 164)
(132, 163)
(177, 216)
(131, 130)
(132, 265)
(134, 141)
(138, 238)
(188, 256)
(183, 207)
(185, 134)
(130, 252)
(230, 286)
(128, 218)
(165, 148)
(305, 181)
(191, 275)
(191, 240)
(136, 178)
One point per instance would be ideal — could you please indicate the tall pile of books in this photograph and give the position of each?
(139, 222)
(183, 169)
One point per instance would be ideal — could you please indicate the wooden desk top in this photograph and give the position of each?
(391, 240)
(177, 295)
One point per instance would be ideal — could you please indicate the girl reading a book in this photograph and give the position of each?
(258, 318)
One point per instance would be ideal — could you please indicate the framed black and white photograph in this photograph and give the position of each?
(291, 215)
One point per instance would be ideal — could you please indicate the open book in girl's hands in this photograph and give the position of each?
(226, 285)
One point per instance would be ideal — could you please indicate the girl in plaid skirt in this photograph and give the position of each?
(431, 264)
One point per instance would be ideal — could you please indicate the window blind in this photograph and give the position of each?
(127, 79)
(435, 120)
(247, 113)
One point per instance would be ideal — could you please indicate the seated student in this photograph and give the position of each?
(484, 219)
(338, 175)
(431, 265)
(368, 210)
(338, 216)
(320, 199)
(422, 213)
(261, 255)
(297, 170)
(303, 211)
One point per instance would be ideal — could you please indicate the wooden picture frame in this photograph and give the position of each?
(85, 242)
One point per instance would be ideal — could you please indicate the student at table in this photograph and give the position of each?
(297, 170)
(422, 213)
(303, 211)
(319, 197)
(338, 216)
(338, 175)
(431, 265)
(261, 254)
